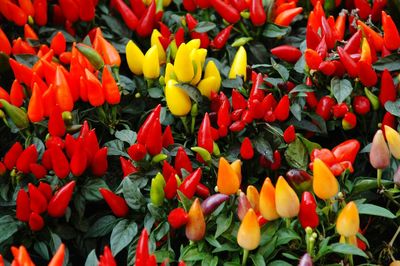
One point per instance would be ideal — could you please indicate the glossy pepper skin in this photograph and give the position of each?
(308, 215)
(325, 185)
(227, 180)
(59, 202)
(249, 234)
(226, 11)
(177, 218)
(204, 137)
(23, 210)
(286, 200)
(239, 64)
(12, 155)
(348, 221)
(379, 155)
(142, 249)
(257, 13)
(189, 184)
(117, 204)
(212, 202)
(196, 225)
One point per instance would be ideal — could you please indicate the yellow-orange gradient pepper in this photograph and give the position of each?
(348, 221)
(249, 235)
(196, 226)
(286, 200)
(325, 184)
(393, 139)
(254, 198)
(227, 180)
(267, 201)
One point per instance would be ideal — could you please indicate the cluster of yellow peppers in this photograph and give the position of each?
(189, 67)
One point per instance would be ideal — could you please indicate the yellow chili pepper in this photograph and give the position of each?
(325, 184)
(177, 99)
(267, 201)
(151, 66)
(237, 167)
(227, 180)
(254, 197)
(207, 85)
(348, 221)
(196, 57)
(249, 234)
(211, 70)
(135, 58)
(155, 41)
(286, 200)
(352, 240)
(193, 44)
(169, 73)
(239, 64)
(183, 64)
(393, 139)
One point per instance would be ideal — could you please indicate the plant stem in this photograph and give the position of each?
(287, 220)
(350, 256)
(379, 178)
(243, 28)
(184, 122)
(245, 256)
(394, 237)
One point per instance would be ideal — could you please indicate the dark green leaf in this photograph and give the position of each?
(347, 249)
(283, 72)
(8, 227)
(279, 263)
(257, 259)
(274, 31)
(155, 93)
(341, 89)
(26, 59)
(204, 26)
(232, 83)
(285, 235)
(122, 234)
(41, 248)
(296, 155)
(102, 226)
(193, 92)
(223, 224)
(116, 147)
(264, 148)
(90, 189)
(126, 135)
(393, 107)
(391, 62)
(295, 109)
(375, 210)
(91, 259)
(134, 198)
(309, 144)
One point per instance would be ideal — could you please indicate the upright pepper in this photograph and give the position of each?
(23, 210)
(204, 137)
(196, 225)
(63, 92)
(59, 162)
(239, 64)
(379, 154)
(391, 35)
(183, 64)
(177, 218)
(387, 90)
(182, 161)
(348, 221)
(267, 201)
(308, 215)
(151, 66)
(393, 140)
(286, 200)
(12, 155)
(36, 222)
(134, 57)
(325, 185)
(58, 257)
(35, 107)
(178, 101)
(142, 249)
(157, 190)
(59, 202)
(227, 180)
(249, 234)
(226, 11)
(189, 184)
(28, 156)
(257, 13)
(246, 149)
(5, 45)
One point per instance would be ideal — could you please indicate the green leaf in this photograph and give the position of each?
(26, 59)
(347, 249)
(279, 263)
(223, 224)
(257, 259)
(375, 210)
(204, 26)
(91, 259)
(8, 227)
(296, 155)
(341, 89)
(133, 197)
(232, 83)
(155, 93)
(191, 253)
(41, 248)
(309, 144)
(295, 109)
(90, 189)
(102, 226)
(301, 88)
(184, 200)
(192, 91)
(122, 234)
(116, 147)
(283, 72)
(126, 135)
(285, 235)
(391, 62)
(368, 183)
(264, 148)
(393, 107)
(274, 31)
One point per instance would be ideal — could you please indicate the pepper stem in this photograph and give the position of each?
(245, 256)
(287, 220)
(185, 125)
(394, 237)
(243, 28)
(350, 256)
(379, 178)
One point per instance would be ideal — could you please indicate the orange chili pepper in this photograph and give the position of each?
(5, 45)
(94, 89)
(18, 15)
(286, 17)
(391, 35)
(372, 35)
(35, 107)
(49, 97)
(111, 90)
(58, 43)
(109, 53)
(27, 7)
(63, 93)
(17, 94)
(340, 25)
(29, 33)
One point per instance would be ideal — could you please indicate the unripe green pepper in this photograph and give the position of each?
(17, 115)
(92, 55)
(157, 190)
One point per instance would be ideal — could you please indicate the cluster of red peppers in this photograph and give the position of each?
(32, 205)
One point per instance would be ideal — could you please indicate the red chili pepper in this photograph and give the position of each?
(388, 120)
(23, 206)
(37, 170)
(182, 161)
(226, 11)
(58, 43)
(223, 116)
(308, 215)
(361, 105)
(17, 94)
(349, 121)
(340, 25)
(257, 13)
(387, 90)
(237, 126)
(312, 37)
(177, 218)
(222, 37)
(70, 9)
(327, 33)
(191, 22)
(339, 110)
(170, 187)
(91, 145)
(46, 160)
(289, 135)
(391, 35)
(63, 93)
(203, 37)
(374, 38)
(146, 22)
(142, 249)
(78, 162)
(107, 258)
(189, 5)
(100, 164)
(46, 190)
(313, 59)
(111, 90)
(146, 127)
(19, 17)
(36, 222)
(5, 45)
(167, 138)
(204, 137)
(347, 150)
(56, 124)
(281, 111)
(127, 14)
(328, 68)
(127, 167)
(322, 48)
(189, 185)
(238, 101)
(348, 62)
(12, 155)
(277, 161)
(287, 53)
(40, 7)
(35, 106)
(28, 156)
(246, 149)
(95, 92)
(377, 7)
(202, 191)
(167, 170)
(59, 202)
(324, 107)
(287, 16)
(38, 202)
(364, 9)
(137, 151)
(256, 92)
(59, 162)
(117, 204)
(366, 74)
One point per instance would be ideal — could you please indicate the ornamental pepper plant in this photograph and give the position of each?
(191, 132)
